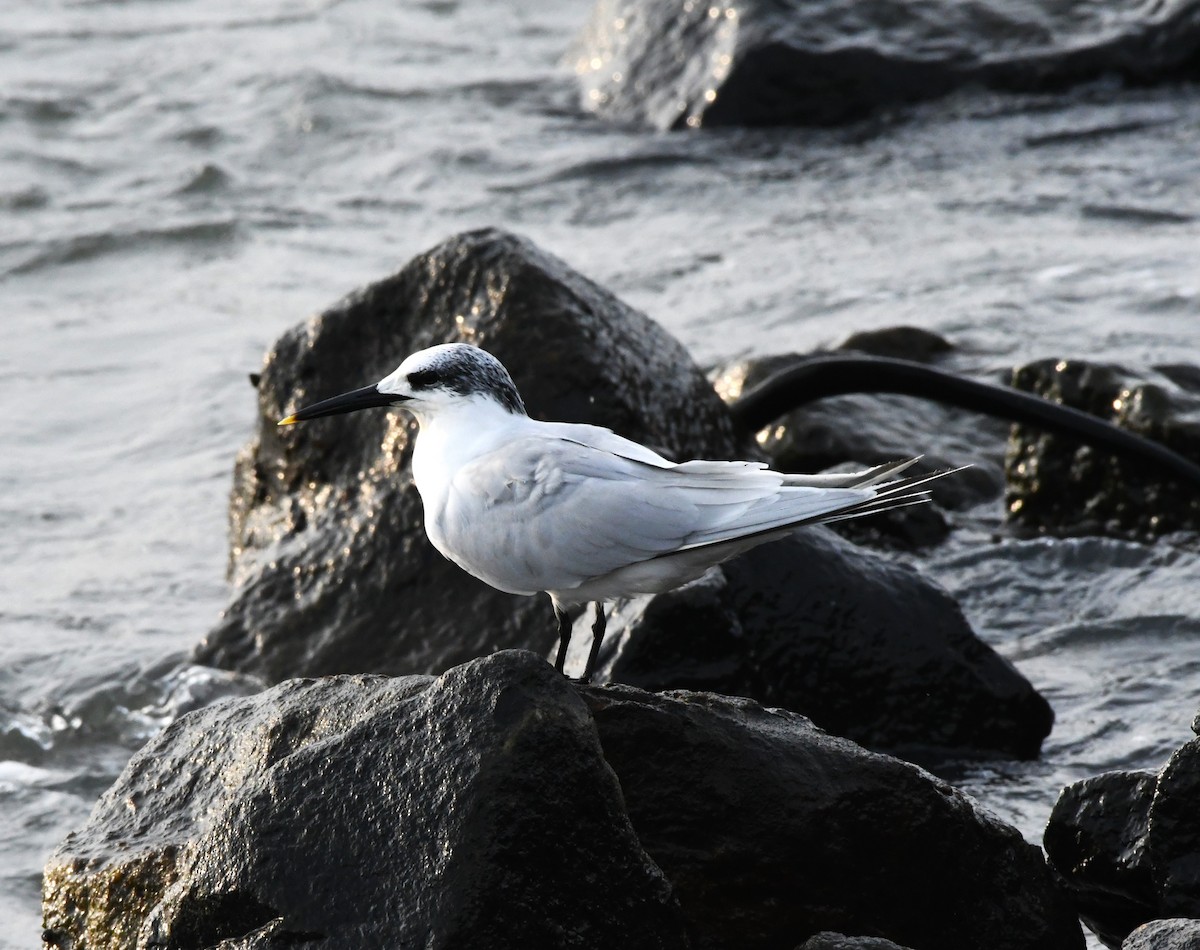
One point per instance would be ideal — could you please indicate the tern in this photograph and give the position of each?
(577, 511)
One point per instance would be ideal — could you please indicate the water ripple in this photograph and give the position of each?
(85, 247)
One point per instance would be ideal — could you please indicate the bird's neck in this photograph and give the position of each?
(457, 435)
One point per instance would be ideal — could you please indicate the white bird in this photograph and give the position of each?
(580, 512)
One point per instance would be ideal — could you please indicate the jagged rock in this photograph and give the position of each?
(472, 810)
(804, 62)
(852, 640)
(1173, 838)
(332, 569)
(827, 940)
(902, 343)
(771, 831)
(1176, 933)
(481, 809)
(1127, 845)
(1061, 486)
(1096, 839)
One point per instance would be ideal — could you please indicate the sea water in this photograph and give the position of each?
(180, 183)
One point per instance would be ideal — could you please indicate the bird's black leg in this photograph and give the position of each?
(564, 636)
(597, 638)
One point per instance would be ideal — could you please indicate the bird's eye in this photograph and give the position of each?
(423, 378)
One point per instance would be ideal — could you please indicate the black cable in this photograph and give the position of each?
(824, 376)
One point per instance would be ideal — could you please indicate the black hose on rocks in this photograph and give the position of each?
(824, 376)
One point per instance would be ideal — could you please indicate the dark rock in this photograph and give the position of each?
(1127, 845)
(860, 644)
(803, 62)
(903, 343)
(472, 810)
(332, 568)
(771, 831)
(481, 809)
(1096, 839)
(1061, 486)
(1173, 838)
(827, 940)
(1176, 933)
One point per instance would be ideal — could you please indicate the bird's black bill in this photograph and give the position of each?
(366, 398)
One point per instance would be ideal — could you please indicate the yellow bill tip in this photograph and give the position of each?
(287, 421)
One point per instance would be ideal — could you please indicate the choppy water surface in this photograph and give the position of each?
(180, 182)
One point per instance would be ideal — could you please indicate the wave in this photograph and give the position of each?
(84, 247)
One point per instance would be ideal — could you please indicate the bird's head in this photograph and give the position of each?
(427, 383)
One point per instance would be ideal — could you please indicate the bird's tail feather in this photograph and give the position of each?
(871, 476)
(900, 493)
(897, 494)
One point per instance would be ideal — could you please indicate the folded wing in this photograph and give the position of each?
(552, 514)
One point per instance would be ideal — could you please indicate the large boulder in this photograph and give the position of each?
(1127, 844)
(828, 940)
(770, 831)
(472, 810)
(481, 809)
(331, 566)
(1096, 839)
(669, 64)
(1172, 933)
(1062, 486)
(855, 641)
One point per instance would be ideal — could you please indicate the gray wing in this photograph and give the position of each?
(546, 513)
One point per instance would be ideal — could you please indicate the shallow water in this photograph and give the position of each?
(179, 183)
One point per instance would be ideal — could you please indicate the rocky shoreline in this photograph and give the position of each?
(497, 804)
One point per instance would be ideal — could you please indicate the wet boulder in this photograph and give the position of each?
(803, 62)
(855, 641)
(771, 831)
(1127, 844)
(828, 940)
(1061, 486)
(331, 567)
(471, 810)
(1096, 839)
(831, 941)
(1174, 933)
(498, 805)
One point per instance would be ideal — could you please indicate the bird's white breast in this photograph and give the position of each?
(446, 446)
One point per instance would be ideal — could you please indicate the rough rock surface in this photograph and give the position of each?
(1096, 838)
(1174, 933)
(851, 640)
(771, 830)
(810, 62)
(1060, 486)
(828, 940)
(481, 809)
(332, 569)
(1127, 844)
(472, 810)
